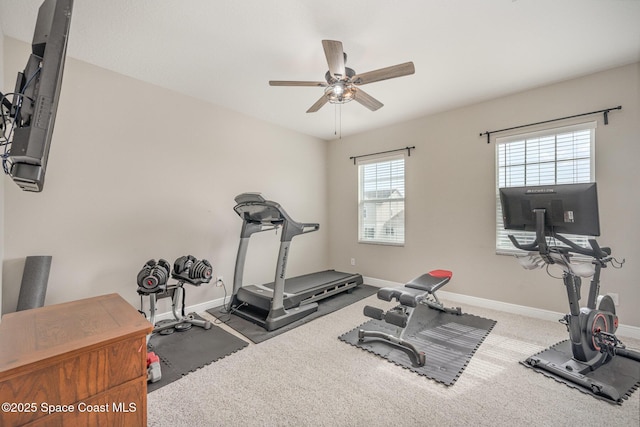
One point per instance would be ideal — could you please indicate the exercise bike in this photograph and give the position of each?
(591, 328)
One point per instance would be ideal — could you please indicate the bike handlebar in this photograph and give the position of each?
(596, 252)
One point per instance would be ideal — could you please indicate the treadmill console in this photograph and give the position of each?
(254, 208)
(249, 197)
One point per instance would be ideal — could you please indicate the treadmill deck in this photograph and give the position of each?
(301, 290)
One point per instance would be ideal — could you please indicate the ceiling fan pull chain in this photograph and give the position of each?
(340, 121)
(337, 120)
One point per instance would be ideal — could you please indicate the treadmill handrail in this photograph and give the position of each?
(309, 227)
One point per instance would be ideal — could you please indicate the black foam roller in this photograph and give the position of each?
(35, 277)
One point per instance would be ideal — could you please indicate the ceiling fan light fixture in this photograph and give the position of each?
(340, 93)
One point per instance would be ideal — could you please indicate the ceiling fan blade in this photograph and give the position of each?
(335, 57)
(367, 100)
(319, 103)
(295, 83)
(384, 73)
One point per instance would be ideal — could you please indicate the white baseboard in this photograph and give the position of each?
(380, 283)
(196, 308)
(538, 313)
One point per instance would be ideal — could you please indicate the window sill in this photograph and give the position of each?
(375, 242)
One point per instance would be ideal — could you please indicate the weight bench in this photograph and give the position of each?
(421, 290)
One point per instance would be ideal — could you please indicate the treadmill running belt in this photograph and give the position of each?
(258, 334)
(304, 283)
(300, 290)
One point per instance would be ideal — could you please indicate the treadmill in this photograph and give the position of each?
(276, 304)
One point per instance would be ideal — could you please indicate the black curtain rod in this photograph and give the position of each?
(606, 121)
(354, 158)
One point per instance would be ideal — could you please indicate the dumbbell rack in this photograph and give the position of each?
(176, 292)
(152, 281)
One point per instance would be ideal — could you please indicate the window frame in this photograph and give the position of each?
(363, 230)
(527, 236)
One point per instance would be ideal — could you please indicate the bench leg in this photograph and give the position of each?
(418, 356)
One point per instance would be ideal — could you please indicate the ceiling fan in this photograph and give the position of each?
(341, 82)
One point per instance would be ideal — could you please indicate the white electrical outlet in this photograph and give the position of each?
(353, 261)
(615, 298)
(219, 280)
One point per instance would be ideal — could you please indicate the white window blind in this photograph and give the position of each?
(381, 196)
(554, 156)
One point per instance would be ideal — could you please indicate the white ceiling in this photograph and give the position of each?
(226, 51)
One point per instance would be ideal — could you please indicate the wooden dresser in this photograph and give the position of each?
(81, 363)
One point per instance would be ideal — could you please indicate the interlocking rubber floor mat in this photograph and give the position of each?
(183, 352)
(620, 376)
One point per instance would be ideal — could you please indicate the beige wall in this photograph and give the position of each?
(450, 208)
(138, 172)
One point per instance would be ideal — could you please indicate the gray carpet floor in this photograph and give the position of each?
(308, 377)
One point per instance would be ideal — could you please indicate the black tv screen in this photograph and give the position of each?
(569, 208)
(35, 100)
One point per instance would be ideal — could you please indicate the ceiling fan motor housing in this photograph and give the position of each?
(331, 79)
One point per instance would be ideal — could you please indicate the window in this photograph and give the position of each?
(381, 200)
(555, 156)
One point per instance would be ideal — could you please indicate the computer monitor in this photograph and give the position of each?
(35, 100)
(568, 208)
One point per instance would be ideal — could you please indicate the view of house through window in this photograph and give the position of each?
(554, 156)
(381, 200)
